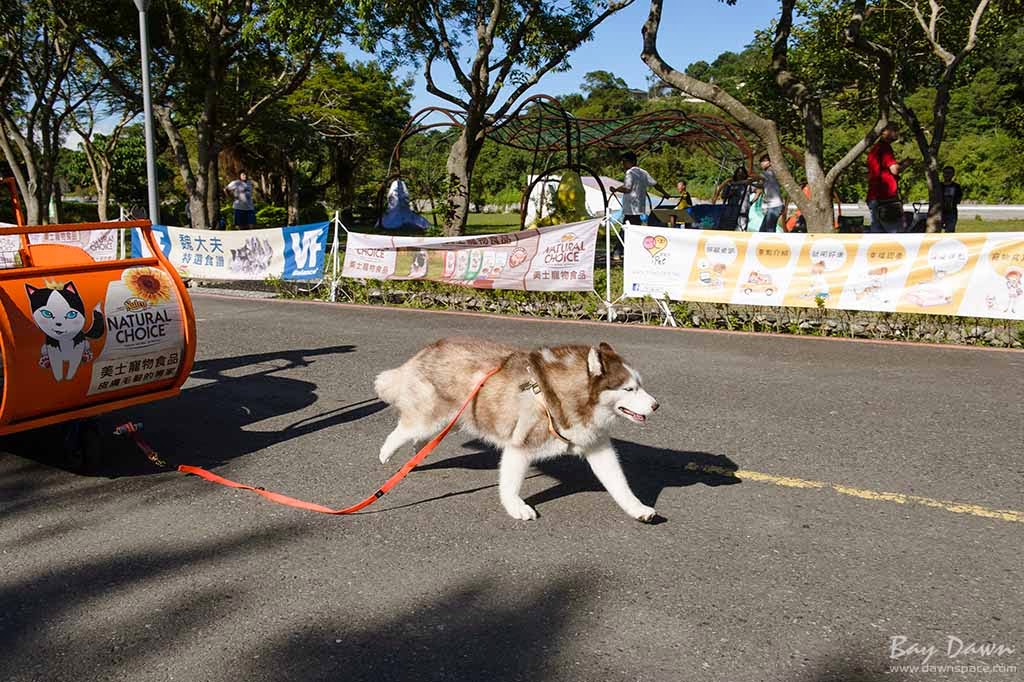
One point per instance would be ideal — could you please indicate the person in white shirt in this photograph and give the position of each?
(772, 202)
(634, 190)
(241, 191)
(634, 195)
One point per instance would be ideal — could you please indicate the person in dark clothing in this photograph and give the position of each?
(736, 197)
(952, 195)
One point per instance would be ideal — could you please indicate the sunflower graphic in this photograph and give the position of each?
(149, 284)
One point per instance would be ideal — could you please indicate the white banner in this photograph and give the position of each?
(557, 258)
(969, 274)
(291, 253)
(100, 244)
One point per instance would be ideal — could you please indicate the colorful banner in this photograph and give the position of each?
(969, 274)
(295, 252)
(100, 244)
(558, 258)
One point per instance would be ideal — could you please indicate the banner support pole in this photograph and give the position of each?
(120, 233)
(608, 265)
(334, 257)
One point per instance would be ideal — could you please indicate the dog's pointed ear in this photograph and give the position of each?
(605, 348)
(594, 366)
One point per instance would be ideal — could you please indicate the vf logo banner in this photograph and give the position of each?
(291, 253)
(304, 249)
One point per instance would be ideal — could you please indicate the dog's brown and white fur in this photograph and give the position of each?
(582, 388)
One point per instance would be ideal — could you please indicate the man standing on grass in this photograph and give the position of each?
(952, 195)
(883, 183)
(241, 191)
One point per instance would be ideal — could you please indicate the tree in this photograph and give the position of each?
(608, 96)
(216, 65)
(99, 150)
(37, 59)
(511, 43)
(941, 27)
(802, 99)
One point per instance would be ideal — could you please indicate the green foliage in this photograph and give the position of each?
(271, 216)
(332, 135)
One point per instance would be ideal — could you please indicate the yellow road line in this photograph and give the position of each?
(898, 498)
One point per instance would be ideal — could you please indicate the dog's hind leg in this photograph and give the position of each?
(514, 464)
(407, 431)
(605, 464)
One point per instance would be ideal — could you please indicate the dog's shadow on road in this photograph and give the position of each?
(649, 470)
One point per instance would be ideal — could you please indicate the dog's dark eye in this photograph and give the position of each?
(630, 389)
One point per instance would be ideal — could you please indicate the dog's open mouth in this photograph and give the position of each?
(638, 418)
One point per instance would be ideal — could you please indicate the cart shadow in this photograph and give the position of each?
(210, 422)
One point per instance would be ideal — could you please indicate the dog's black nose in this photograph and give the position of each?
(655, 406)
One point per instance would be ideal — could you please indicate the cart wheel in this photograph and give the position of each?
(82, 446)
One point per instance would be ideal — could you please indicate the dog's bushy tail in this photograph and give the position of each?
(388, 385)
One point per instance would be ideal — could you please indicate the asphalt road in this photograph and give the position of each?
(796, 568)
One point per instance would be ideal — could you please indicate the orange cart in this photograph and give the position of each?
(82, 337)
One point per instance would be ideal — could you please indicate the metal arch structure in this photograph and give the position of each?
(558, 140)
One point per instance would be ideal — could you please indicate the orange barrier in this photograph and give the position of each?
(80, 337)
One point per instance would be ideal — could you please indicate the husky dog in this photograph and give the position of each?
(60, 315)
(541, 404)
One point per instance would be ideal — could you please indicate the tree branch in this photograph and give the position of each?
(446, 47)
(570, 45)
(432, 87)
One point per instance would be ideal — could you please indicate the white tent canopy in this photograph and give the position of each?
(541, 201)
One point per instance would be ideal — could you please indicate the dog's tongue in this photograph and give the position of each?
(639, 418)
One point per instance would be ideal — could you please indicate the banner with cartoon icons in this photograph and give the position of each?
(295, 252)
(967, 274)
(557, 258)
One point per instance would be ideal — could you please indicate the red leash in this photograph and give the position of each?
(309, 506)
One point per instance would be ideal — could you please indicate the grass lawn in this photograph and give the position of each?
(974, 225)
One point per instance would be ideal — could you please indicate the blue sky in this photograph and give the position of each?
(690, 31)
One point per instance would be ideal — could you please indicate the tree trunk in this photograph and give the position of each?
(103, 190)
(213, 190)
(461, 161)
(292, 188)
(195, 197)
(934, 196)
(199, 198)
(818, 211)
(58, 202)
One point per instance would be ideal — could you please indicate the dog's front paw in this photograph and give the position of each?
(520, 510)
(384, 456)
(644, 514)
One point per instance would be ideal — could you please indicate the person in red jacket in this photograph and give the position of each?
(883, 183)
